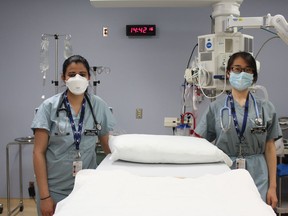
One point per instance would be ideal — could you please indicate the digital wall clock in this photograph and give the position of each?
(140, 30)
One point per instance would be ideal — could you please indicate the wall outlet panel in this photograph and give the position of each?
(139, 113)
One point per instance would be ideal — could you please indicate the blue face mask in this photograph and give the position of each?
(241, 81)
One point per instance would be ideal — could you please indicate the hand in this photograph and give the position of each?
(272, 199)
(47, 207)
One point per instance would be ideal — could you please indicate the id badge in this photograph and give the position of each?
(240, 163)
(77, 166)
(90, 132)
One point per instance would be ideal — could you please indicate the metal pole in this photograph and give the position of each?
(21, 178)
(20, 205)
(56, 36)
(8, 179)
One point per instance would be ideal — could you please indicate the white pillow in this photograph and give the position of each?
(146, 148)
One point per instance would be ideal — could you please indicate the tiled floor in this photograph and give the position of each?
(29, 207)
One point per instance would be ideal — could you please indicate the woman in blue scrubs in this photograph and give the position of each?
(67, 127)
(249, 138)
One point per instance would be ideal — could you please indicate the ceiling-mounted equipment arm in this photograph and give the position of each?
(156, 3)
(281, 26)
(278, 22)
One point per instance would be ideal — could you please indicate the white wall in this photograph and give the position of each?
(145, 73)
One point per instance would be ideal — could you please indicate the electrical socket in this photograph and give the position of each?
(139, 113)
(105, 31)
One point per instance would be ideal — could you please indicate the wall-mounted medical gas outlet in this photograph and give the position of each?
(173, 122)
(105, 31)
(139, 113)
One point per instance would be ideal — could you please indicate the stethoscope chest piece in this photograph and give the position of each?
(259, 121)
(260, 128)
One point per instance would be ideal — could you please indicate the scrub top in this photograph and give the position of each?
(253, 146)
(61, 150)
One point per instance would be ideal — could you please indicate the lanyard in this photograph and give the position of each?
(77, 134)
(233, 112)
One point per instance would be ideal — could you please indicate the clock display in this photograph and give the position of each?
(140, 30)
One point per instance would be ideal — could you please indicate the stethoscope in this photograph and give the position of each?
(258, 121)
(62, 107)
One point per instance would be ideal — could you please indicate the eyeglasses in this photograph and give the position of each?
(238, 69)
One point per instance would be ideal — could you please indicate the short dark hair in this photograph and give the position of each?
(248, 58)
(75, 59)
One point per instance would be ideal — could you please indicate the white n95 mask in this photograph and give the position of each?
(77, 85)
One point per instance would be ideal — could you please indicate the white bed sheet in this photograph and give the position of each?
(128, 189)
(175, 170)
(120, 193)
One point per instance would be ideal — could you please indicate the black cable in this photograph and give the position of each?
(265, 41)
(264, 44)
(188, 63)
(191, 55)
(97, 125)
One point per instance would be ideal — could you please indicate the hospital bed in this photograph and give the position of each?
(125, 184)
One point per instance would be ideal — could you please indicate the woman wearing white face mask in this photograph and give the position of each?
(249, 138)
(67, 127)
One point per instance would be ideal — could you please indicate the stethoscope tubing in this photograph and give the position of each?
(61, 109)
(226, 107)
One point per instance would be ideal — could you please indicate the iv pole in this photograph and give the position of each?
(67, 52)
(98, 70)
(56, 82)
(56, 37)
